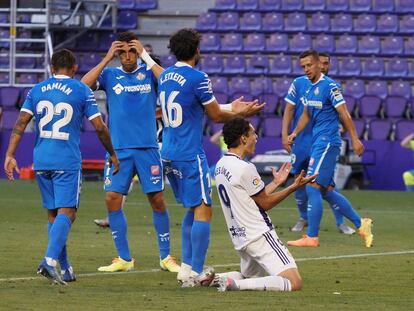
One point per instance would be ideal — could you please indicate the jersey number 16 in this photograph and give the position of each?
(172, 113)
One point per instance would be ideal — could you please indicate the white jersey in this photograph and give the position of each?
(237, 181)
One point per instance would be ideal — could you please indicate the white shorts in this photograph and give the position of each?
(266, 256)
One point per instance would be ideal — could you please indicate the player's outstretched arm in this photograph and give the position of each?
(246, 109)
(143, 54)
(92, 76)
(303, 121)
(10, 163)
(350, 127)
(279, 177)
(287, 118)
(267, 201)
(105, 139)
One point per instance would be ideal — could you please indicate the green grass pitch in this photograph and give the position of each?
(339, 275)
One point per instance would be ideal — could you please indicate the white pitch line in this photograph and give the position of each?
(222, 265)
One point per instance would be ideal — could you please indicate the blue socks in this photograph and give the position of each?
(302, 202)
(118, 225)
(58, 235)
(200, 238)
(339, 218)
(339, 202)
(162, 227)
(186, 249)
(63, 257)
(315, 210)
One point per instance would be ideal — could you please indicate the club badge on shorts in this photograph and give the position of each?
(108, 181)
(155, 169)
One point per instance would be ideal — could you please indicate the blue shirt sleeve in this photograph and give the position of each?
(335, 95)
(204, 90)
(292, 95)
(91, 107)
(28, 104)
(102, 79)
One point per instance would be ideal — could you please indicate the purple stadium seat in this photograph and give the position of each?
(255, 121)
(272, 21)
(28, 78)
(210, 42)
(319, 22)
(407, 24)
(397, 67)
(292, 5)
(87, 126)
(360, 5)
(295, 22)
(296, 68)
(126, 4)
(261, 85)
(235, 64)
(206, 21)
(167, 60)
(405, 6)
(254, 42)
(240, 86)
(379, 129)
(4, 34)
(105, 40)
(392, 45)
(387, 23)
(333, 67)
(369, 45)
(355, 88)
(251, 21)
(270, 5)
(272, 102)
(369, 106)
(281, 64)
(400, 88)
(341, 23)
(272, 127)
(87, 42)
(24, 34)
(225, 5)
(383, 6)
(258, 64)
(212, 64)
(247, 5)
(25, 62)
(409, 46)
(8, 119)
(145, 5)
(281, 87)
(215, 127)
(4, 18)
(403, 128)
(350, 103)
(365, 23)
(411, 69)
(346, 44)
(127, 20)
(228, 21)
(377, 88)
(360, 128)
(89, 61)
(277, 42)
(314, 5)
(373, 67)
(9, 97)
(4, 61)
(23, 95)
(222, 98)
(4, 77)
(395, 106)
(324, 43)
(300, 42)
(350, 66)
(337, 5)
(232, 42)
(219, 84)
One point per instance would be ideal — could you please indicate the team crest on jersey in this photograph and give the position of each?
(108, 181)
(316, 92)
(256, 181)
(140, 76)
(155, 169)
(311, 161)
(118, 88)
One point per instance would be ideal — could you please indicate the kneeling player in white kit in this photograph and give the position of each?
(265, 263)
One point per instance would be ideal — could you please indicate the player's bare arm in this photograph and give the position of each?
(92, 76)
(105, 139)
(279, 177)
(287, 118)
(350, 127)
(10, 163)
(303, 121)
(143, 54)
(267, 201)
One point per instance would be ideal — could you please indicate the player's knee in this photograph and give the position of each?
(113, 201)
(157, 202)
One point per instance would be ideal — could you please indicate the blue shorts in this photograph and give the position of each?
(300, 158)
(190, 181)
(146, 163)
(323, 161)
(59, 188)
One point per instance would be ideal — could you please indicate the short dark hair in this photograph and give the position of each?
(233, 130)
(323, 54)
(310, 52)
(184, 44)
(63, 58)
(127, 36)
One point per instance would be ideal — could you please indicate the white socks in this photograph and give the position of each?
(267, 283)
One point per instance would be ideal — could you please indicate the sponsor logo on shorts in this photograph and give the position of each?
(155, 169)
(108, 181)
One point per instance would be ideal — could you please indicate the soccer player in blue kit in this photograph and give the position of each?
(185, 94)
(58, 105)
(131, 98)
(324, 107)
(300, 150)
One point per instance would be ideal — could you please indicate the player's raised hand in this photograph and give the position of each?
(137, 45)
(113, 161)
(246, 108)
(115, 47)
(280, 176)
(302, 180)
(358, 147)
(10, 164)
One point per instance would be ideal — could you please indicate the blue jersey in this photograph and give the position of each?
(131, 98)
(58, 105)
(183, 92)
(322, 98)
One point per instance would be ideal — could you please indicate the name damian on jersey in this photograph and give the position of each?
(57, 86)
